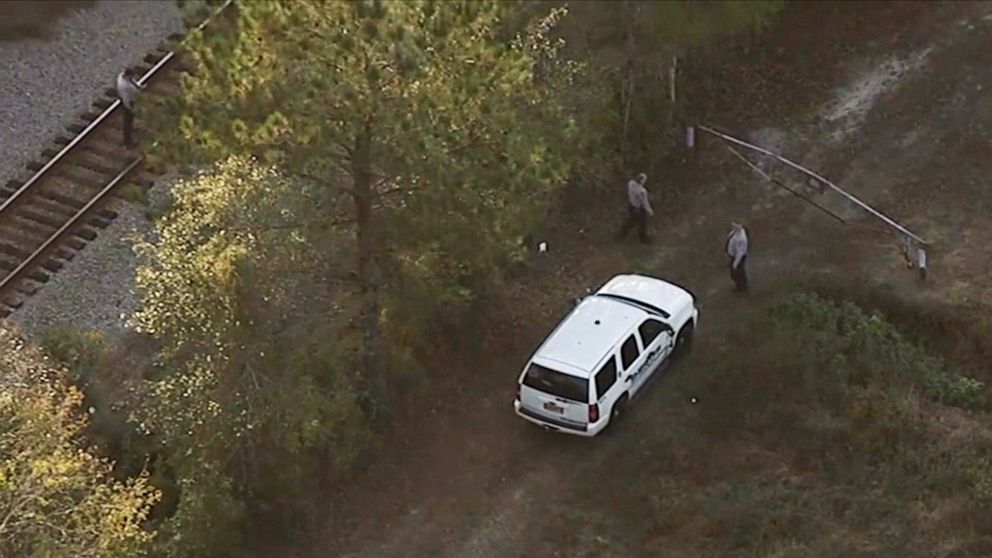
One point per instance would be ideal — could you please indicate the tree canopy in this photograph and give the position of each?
(633, 45)
(57, 497)
(250, 381)
(437, 141)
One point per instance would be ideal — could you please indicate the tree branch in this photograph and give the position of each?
(396, 190)
(311, 177)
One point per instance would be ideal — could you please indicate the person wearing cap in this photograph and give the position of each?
(126, 90)
(737, 248)
(638, 208)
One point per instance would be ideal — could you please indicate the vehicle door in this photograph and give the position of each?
(608, 386)
(631, 361)
(658, 341)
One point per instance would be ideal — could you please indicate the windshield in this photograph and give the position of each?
(556, 383)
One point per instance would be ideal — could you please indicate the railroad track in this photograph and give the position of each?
(47, 217)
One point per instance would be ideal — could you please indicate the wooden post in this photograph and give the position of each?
(671, 77)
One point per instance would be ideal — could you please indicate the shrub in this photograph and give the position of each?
(873, 347)
(57, 497)
(78, 350)
(980, 471)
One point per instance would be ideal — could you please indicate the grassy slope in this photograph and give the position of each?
(818, 432)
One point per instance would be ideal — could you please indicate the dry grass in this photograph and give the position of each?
(809, 441)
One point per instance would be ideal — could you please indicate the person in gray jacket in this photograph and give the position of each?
(126, 90)
(737, 248)
(638, 209)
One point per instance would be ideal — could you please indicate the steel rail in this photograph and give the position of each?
(70, 223)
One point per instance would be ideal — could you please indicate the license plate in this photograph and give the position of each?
(549, 406)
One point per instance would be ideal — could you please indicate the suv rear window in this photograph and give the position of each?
(556, 383)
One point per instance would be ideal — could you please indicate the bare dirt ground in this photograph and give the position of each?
(893, 103)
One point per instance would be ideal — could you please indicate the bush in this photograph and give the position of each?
(78, 350)
(879, 350)
(254, 381)
(57, 497)
(135, 194)
(980, 471)
(819, 413)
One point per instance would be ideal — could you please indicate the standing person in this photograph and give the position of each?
(126, 90)
(638, 209)
(737, 251)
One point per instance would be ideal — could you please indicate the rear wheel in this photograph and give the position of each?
(684, 340)
(619, 408)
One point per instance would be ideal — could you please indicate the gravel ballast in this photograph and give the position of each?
(48, 84)
(96, 289)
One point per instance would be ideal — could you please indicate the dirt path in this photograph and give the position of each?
(470, 479)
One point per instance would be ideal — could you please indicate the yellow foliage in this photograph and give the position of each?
(57, 499)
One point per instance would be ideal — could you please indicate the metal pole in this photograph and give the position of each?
(808, 172)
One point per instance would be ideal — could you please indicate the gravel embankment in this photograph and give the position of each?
(96, 289)
(46, 85)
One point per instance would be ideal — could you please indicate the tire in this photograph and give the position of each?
(618, 410)
(683, 343)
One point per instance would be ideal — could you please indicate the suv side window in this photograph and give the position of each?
(606, 377)
(650, 329)
(629, 352)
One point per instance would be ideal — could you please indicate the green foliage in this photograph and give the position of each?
(252, 377)
(444, 141)
(56, 497)
(629, 48)
(981, 473)
(78, 350)
(685, 25)
(815, 414)
(135, 194)
(881, 349)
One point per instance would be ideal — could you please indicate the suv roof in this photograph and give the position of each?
(593, 328)
(661, 294)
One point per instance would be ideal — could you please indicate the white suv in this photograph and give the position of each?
(603, 352)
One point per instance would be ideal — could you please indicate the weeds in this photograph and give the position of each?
(823, 426)
(80, 351)
(135, 194)
(881, 350)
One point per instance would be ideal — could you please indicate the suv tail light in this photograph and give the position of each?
(593, 412)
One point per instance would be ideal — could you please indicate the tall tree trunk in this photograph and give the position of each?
(628, 88)
(628, 83)
(373, 373)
